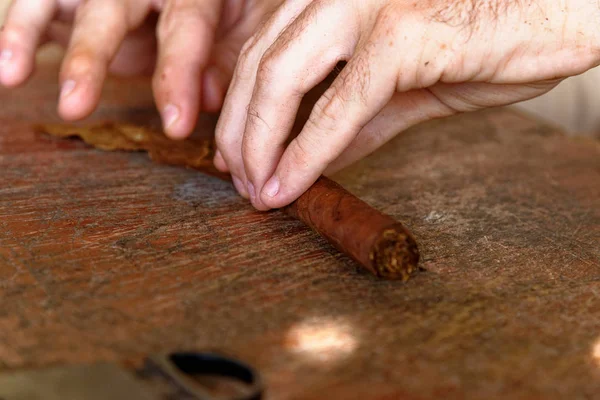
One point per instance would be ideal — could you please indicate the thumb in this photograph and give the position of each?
(407, 109)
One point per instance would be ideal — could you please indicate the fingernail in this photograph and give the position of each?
(170, 115)
(67, 88)
(271, 188)
(251, 191)
(5, 56)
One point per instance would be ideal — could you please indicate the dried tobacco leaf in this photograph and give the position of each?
(193, 153)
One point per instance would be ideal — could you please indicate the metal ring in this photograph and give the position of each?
(180, 366)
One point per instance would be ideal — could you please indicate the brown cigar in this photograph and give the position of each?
(376, 241)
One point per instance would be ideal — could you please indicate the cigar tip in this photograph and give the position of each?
(395, 254)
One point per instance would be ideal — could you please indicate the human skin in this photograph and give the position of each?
(407, 61)
(190, 46)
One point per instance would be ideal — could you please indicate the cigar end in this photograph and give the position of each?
(395, 254)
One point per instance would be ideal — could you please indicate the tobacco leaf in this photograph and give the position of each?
(193, 153)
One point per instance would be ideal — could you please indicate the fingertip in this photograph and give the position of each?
(269, 195)
(261, 207)
(82, 76)
(177, 133)
(271, 188)
(178, 123)
(280, 191)
(14, 69)
(273, 202)
(170, 117)
(255, 197)
(74, 102)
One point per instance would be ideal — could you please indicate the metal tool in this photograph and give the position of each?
(180, 376)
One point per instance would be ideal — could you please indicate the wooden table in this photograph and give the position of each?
(107, 256)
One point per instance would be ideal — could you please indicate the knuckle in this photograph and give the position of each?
(267, 68)
(248, 45)
(13, 33)
(302, 151)
(327, 111)
(245, 55)
(356, 80)
(246, 61)
(185, 13)
(223, 142)
(389, 15)
(272, 69)
(254, 123)
(273, 59)
(80, 63)
(391, 21)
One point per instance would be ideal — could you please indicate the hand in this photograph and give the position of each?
(407, 62)
(192, 49)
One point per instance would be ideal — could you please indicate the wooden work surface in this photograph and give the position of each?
(107, 256)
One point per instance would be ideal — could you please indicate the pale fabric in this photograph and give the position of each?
(574, 105)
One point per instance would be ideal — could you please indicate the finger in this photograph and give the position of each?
(220, 162)
(232, 121)
(100, 27)
(356, 96)
(403, 111)
(294, 64)
(222, 166)
(441, 100)
(186, 33)
(25, 24)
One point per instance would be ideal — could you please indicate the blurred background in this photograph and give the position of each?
(573, 106)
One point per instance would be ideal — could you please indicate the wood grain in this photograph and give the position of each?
(110, 257)
(377, 242)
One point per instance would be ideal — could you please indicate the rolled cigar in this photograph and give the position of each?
(376, 241)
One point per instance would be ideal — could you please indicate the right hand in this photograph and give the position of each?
(407, 62)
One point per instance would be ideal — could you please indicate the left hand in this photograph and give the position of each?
(408, 61)
(190, 46)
